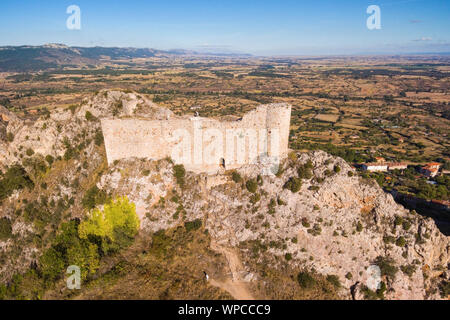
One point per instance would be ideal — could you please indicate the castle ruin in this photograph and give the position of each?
(202, 145)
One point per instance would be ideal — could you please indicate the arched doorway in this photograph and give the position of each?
(222, 163)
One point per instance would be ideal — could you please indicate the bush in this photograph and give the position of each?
(401, 242)
(305, 280)
(236, 177)
(294, 184)
(49, 159)
(251, 185)
(304, 172)
(406, 225)
(359, 226)
(29, 152)
(386, 266)
(334, 280)
(193, 225)
(398, 221)
(5, 229)
(179, 173)
(350, 173)
(288, 256)
(255, 198)
(408, 269)
(98, 138)
(388, 239)
(15, 178)
(349, 276)
(89, 116)
(93, 197)
(444, 289)
(10, 137)
(337, 169)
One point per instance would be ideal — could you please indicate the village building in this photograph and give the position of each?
(430, 170)
(397, 166)
(375, 167)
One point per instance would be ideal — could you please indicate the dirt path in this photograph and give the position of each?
(234, 285)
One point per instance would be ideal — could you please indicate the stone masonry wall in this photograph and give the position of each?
(202, 144)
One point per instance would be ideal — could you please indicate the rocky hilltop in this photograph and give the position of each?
(315, 215)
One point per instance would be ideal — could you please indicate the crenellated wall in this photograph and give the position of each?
(202, 144)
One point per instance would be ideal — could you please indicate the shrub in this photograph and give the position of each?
(73, 108)
(305, 280)
(398, 221)
(288, 256)
(350, 173)
(374, 295)
(93, 197)
(337, 169)
(179, 173)
(15, 178)
(305, 223)
(29, 152)
(294, 184)
(349, 276)
(10, 137)
(408, 269)
(5, 229)
(255, 198)
(193, 225)
(89, 116)
(444, 288)
(292, 156)
(334, 280)
(98, 138)
(359, 226)
(386, 266)
(401, 242)
(236, 177)
(304, 172)
(251, 185)
(49, 159)
(388, 239)
(406, 225)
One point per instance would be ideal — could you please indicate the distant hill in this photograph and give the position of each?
(53, 56)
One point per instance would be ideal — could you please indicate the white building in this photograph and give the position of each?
(375, 167)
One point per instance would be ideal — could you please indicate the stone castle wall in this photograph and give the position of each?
(202, 144)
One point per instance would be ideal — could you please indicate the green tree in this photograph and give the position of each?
(5, 229)
(51, 264)
(251, 185)
(115, 226)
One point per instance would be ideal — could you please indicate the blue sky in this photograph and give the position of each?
(260, 27)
